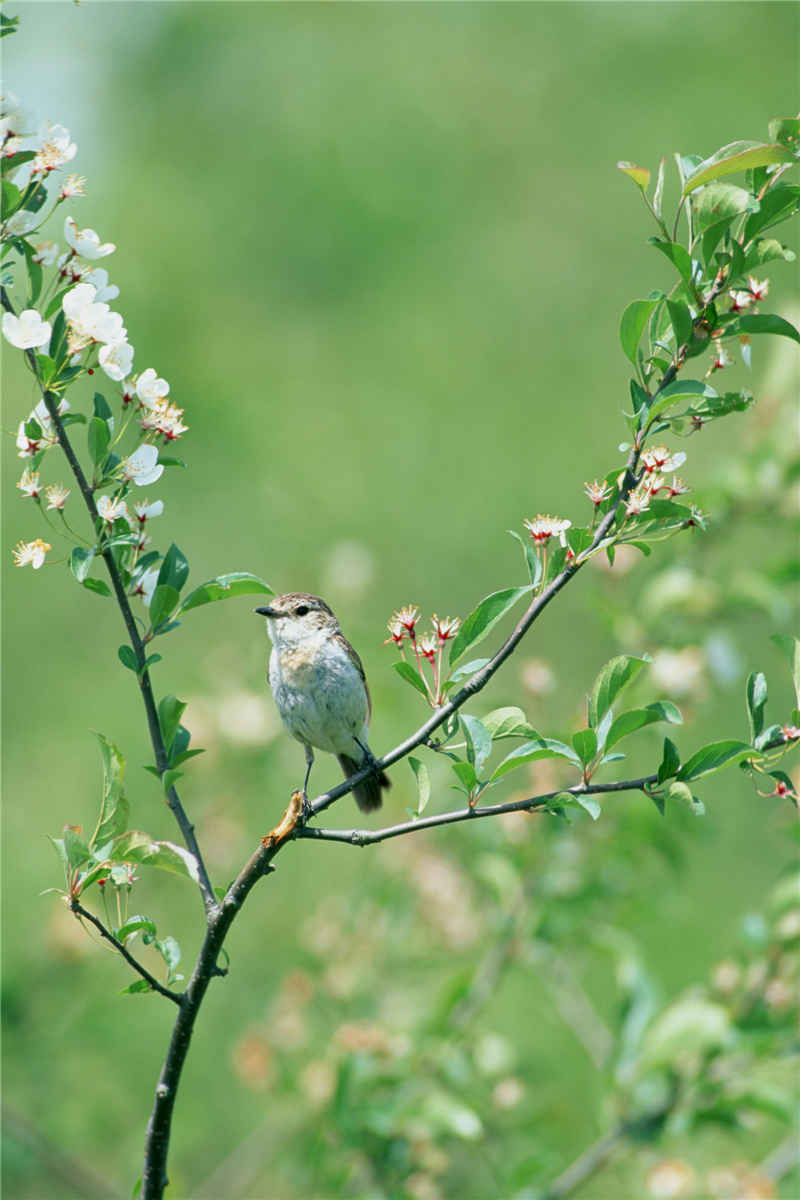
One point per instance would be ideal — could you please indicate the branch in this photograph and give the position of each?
(369, 837)
(80, 911)
(156, 737)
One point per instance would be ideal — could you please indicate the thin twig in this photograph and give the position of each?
(84, 914)
(370, 837)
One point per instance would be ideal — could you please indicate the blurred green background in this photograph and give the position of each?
(380, 252)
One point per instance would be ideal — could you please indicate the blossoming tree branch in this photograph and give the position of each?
(91, 468)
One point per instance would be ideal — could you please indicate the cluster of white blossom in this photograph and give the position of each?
(89, 324)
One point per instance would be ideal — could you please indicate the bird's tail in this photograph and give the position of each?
(368, 794)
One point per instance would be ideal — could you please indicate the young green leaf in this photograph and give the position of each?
(736, 324)
(99, 438)
(633, 323)
(76, 847)
(639, 175)
(756, 693)
(115, 810)
(412, 676)
(469, 668)
(174, 569)
(128, 658)
(613, 679)
(164, 601)
(532, 561)
(585, 744)
(467, 774)
(138, 985)
(170, 711)
(223, 588)
(484, 618)
(508, 722)
(135, 925)
(531, 752)
(637, 718)
(423, 783)
(738, 156)
(478, 739)
(713, 758)
(679, 257)
(683, 795)
(80, 560)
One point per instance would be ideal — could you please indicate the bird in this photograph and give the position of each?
(321, 691)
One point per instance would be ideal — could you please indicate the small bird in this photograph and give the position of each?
(320, 689)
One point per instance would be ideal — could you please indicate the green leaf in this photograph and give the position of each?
(423, 783)
(138, 847)
(735, 324)
(163, 603)
(613, 679)
(639, 175)
(412, 676)
(170, 951)
(467, 774)
(103, 409)
(681, 320)
(531, 752)
(169, 779)
(585, 744)
(679, 256)
(115, 809)
(170, 711)
(722, 200)
(589, 803)
(508, 722)
(99, 586)
(128, 658)
(138, 985)
(633, 324)
(174, 569)
(713, 758)
(670, 763)
(783, 130)
(738, 156)
(484, 618)
(223, 588)
(756, 693)
(789, 647)
(99, 438)
(76, 847)
(80, 560)
(776, 206)
(681, 794)
(469, 668)
(134, 925)
(637, 718)
(478, 739)
(532, 560)
(765, 250)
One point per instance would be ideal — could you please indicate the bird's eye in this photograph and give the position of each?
(302, 610)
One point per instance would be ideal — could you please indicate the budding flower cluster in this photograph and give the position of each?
(427, 646)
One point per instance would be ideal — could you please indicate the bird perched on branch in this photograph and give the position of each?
(320, 689)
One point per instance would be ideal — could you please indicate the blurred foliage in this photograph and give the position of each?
(381, 253)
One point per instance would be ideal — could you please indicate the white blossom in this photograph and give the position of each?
(116, 359)
(26, 331)
(31, 552)
(56, 148)
(86, 242)
(151, 390)
(20, 223)
(142, 467)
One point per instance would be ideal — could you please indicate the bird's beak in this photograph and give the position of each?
(267, 612)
